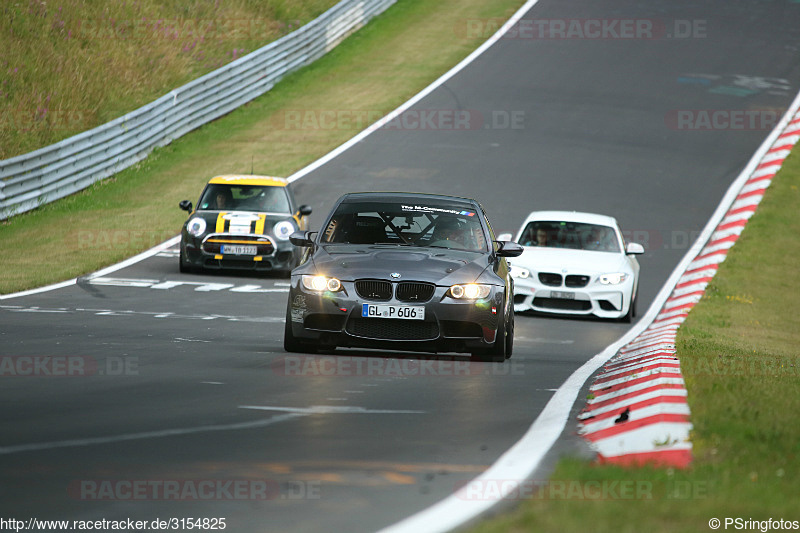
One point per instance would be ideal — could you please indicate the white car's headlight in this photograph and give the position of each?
(470, 291)
(282, 230)
(613, 278)
(520, 272)
(196, 226)
(321, 283)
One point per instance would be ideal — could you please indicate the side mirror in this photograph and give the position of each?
(508, 249)
(304, 210)
(634, 248)
(186, 205)
(302, 238)
(505, 237)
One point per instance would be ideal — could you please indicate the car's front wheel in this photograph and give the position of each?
(283, 273)
(510, 335)
(631, 308)
(503, 343)
(183, 265)
(290, 342)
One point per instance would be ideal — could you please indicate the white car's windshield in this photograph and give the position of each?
(572, 235)
(261, 198)
(437, 227)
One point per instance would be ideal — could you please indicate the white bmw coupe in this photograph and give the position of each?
(575, 264)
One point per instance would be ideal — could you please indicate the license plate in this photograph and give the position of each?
(238, 249)
(393, 311)
(562, 295)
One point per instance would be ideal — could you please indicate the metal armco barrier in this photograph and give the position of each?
(37, 178)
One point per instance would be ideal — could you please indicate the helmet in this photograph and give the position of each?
(447, 228)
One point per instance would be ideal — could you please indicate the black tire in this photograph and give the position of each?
(498, 352)
(510, 335)
(183, 266)
(628, 318)
(290, 342)
(284, 273)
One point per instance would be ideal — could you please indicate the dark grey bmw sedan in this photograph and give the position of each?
(405, 272)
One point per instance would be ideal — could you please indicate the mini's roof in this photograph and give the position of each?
(404, 197)
(246, 179)
(570, 216)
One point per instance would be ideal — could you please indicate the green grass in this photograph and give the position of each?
(374, 70)
(740, 356)
(70, 65)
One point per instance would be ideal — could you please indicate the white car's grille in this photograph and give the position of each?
(576, 281)
(550, 279)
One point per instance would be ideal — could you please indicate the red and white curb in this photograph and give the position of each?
(637, 410)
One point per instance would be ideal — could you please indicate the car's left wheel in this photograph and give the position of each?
(183, 265)
(628, 318)
(292, 343)
(503, 343)
(284, 272)
(510, 335)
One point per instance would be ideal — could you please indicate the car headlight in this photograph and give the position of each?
(321, 283)
(519, 272)
(470, 291)
(196, 226)
(613, 278)
(282, 230)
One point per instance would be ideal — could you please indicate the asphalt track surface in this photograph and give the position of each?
(173, 366)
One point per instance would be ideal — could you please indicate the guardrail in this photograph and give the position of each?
(30, 180)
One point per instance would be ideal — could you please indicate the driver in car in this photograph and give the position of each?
(223, 199)
(448, 233)
(451, 233)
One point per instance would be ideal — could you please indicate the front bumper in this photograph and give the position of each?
(450, 325)
(603, 301)
(271, 254)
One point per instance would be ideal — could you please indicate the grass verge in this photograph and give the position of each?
(69, 65)
(374, 71)
(740, 358)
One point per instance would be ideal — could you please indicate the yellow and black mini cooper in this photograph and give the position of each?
(242, 222)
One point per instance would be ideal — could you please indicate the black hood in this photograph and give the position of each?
(435, 265)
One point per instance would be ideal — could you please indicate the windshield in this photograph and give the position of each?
(407, 225)
(573, 235)
(261, 198)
